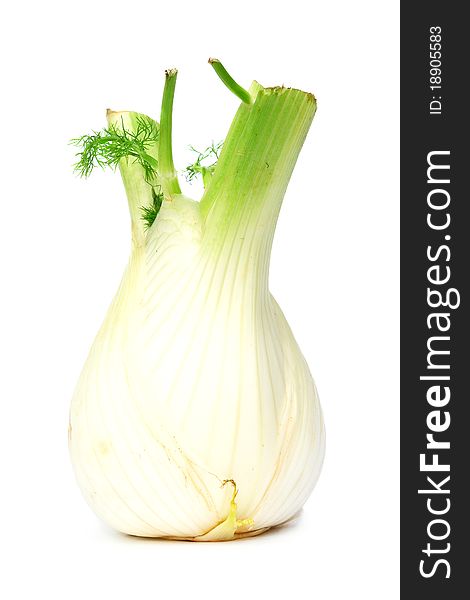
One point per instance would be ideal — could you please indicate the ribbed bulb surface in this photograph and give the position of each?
(194, 379)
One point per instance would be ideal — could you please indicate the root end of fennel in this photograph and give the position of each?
(230, 526)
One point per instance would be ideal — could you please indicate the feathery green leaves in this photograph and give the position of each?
(204, 164)
(107, 147)
(149, 213)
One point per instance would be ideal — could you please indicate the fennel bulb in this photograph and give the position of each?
(195, 416)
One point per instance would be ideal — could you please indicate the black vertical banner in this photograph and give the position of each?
(435, 298)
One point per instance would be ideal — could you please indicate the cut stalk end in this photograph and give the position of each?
(228, 80)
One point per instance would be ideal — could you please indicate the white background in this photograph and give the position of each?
(64, 243)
